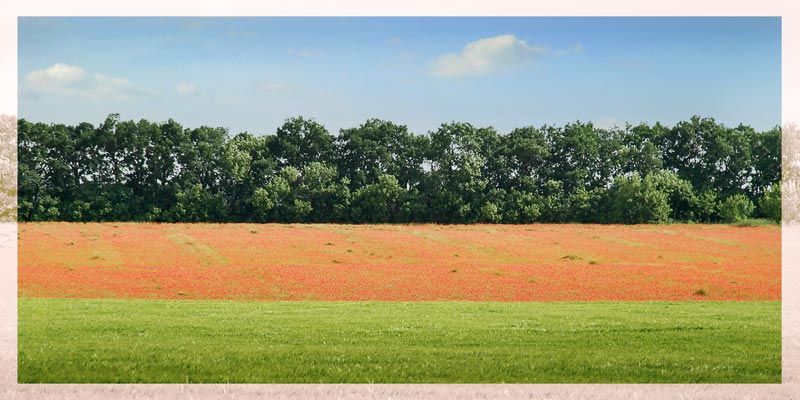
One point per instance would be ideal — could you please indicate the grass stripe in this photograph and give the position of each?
(145, 341)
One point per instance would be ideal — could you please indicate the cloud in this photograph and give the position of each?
(57, 75)
(575, 49)
(70, 80)
(393, 41)
(486, 56)
(186, 89)
(115, 88)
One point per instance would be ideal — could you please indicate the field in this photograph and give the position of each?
(390, 303)
(67, 340)
(400, 263)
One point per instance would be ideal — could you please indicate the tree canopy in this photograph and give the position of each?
(379, 172)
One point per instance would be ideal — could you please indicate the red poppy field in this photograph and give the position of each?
(508, 263)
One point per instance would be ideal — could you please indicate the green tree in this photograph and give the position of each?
(709, 155)
(636, 201)
(378, 171)
(522, 207)
(736, 208)
(196, 204)
(770, 204)
(456, 183)
(553, 202)
(379, 202)
(582, 156)
(527, 153)
(680, 195)
(640, 152)
(328, 195)
(378, 148)
(300, 141)
(766, 153)
(278, 201)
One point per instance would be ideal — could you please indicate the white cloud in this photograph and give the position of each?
(575, 49)
(57, 75)
(70, 80)
(486, 56)
(394, 41)
(115, 88)
(186, 89)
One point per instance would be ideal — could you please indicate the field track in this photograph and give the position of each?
(399, 262)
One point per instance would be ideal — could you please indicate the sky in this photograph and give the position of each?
(251, 74)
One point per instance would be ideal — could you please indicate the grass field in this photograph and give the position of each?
(216, 303)
(78, 340)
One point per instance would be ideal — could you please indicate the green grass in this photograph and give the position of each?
(114, 341)
(754, 222)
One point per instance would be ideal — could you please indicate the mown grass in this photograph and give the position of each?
(114, 341)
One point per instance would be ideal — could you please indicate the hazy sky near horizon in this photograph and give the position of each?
(251, 73)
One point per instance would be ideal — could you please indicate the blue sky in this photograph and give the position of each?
(250, 74)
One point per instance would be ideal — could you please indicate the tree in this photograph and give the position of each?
(680, 195)
(379, 202)
(236, 181)
(770, 204)
(277, 201)
(379, 172)
(328, 195)
(640, 152)
(456, 182)
(195, 204)
(709, 155)
(636, 201)
(522, 207)
(736, 208)
(766, 153)
(527, 152)
(582, 156)
(299, 142)
(553, 203)
(705, 206)
(378, 148)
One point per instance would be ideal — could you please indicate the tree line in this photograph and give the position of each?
(379, 172)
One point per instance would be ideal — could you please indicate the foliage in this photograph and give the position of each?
(379, 202)
(636, 201)
(736, 208)
(770, 205)
(380, 172)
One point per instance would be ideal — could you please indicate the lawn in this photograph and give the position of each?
(173, 341)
